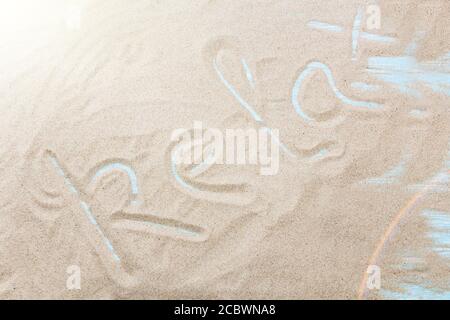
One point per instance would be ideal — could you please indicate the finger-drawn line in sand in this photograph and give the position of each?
(121, 167)
(392, 227)
(177, 154)
(319, 25)
(146, 222)
(441, 188)
(236, 94)
(248, 73)
(226, 188)
(244, 103)
(311, 67)
(282, 145)
(205, 160)
(412, 46)
(416, 292)
(236, 191)
(137, 222)
(60, 171)
(439, 222)
(206, 164)
(356, 30)
(419, 113)
(404, 73)
(443, 176)
(158, 225)
(294, 98)
(173, 165)
(85, 207)
(392, 176)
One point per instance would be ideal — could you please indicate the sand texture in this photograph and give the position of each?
(91, 93)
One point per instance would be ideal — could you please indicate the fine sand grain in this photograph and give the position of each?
(92, 91)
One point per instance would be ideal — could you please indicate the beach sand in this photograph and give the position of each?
(91, 93)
